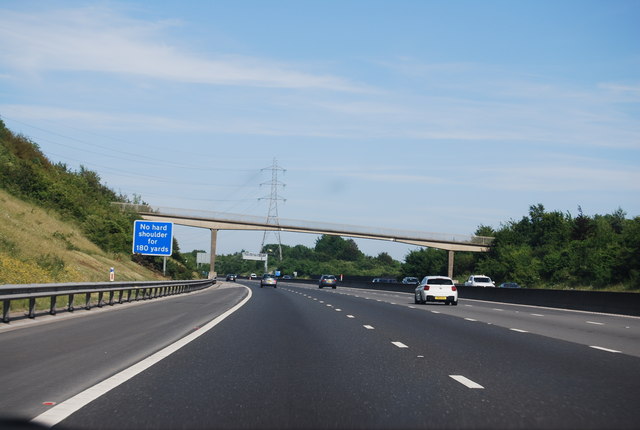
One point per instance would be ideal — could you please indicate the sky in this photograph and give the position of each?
(433, 116)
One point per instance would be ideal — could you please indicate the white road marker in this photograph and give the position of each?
(466, 381)
(470, 319)
(537, 315)
(350, 316)
(63, 410)
(435, 312)
(605, 349)
(518, 330)
(596, 323)
(338, 310)
(400, 344)
(368, 327)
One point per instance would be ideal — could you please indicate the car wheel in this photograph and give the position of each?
(333, 288)
(415, 299)
(455, 303)
(320, 286)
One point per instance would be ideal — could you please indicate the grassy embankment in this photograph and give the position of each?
(37, 247)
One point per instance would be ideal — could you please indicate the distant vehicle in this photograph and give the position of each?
(253, 276)
(479, 281)
(509, 285)
(268, 280)
(231, 277)
(383, 281)
(287, 277)
(436, 289)
(410, 280)
(328, 281)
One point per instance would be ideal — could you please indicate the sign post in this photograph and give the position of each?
(153, 238)
(257, 257)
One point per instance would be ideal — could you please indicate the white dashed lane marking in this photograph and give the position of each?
(350, 316)
(400, 344)
(595, 323)
(368, 327)
(605, 349)
(466, 382)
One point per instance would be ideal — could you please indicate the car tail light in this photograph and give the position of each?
(453, 288)
(426, 288)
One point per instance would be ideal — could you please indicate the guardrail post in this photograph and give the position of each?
(32, 307)
(129, 295)
(6, 307)
(111, 294)
(87, 304)
(137, 294)
(52, 308)
(100, 296)
(70, 304)
(120, 296)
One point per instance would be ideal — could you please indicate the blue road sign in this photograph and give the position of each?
(152, 238)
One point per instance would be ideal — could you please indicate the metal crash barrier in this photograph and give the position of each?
(125, 292)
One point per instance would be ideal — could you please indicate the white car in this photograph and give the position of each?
(479, 281)
(437, 289)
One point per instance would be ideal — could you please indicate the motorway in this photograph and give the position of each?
(300, 357)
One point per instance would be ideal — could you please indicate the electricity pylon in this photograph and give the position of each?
(274, 197)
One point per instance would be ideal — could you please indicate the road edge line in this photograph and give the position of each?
(63, 410)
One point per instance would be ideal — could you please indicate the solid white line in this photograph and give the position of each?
(470, 319)
(605, 349)
(63, 410)
(400, 344)
(596, 323)
(537, 315)
(368, 327)
(518, 330)
(466, 381)
(435, 312)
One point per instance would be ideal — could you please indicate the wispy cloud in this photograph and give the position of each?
(98, 40)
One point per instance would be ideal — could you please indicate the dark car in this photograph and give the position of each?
(509, 285)
(328, 281)
(231, 277)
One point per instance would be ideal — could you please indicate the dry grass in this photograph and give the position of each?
(37, 247)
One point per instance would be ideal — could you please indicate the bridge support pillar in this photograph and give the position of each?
(212, 256)
(450, 271)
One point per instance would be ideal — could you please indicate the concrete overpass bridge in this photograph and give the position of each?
(215, 221)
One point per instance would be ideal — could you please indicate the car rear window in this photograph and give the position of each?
(439, 281)
(330, 277)
(482, 279)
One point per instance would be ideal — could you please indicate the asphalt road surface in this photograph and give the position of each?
(300, 357)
